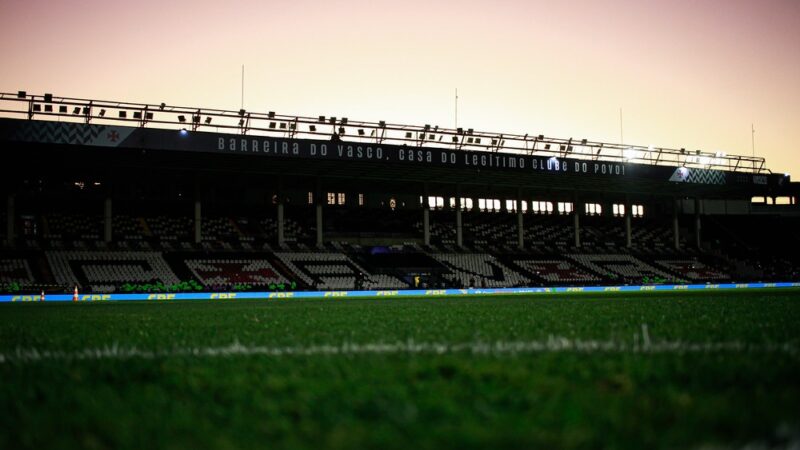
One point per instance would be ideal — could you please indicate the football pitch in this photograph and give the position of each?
(673, 370)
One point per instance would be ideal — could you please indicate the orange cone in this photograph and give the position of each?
(75, 294)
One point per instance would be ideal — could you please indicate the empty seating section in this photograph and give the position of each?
(72, 226)
(105, 271)
(334, 271)
(692, 270)
(127, 228)
(242, 251)
(622, 268)
(543, 232)
(16, 270)
(292, 231)
(217, 273)
(556, 271)
(219, 229)
(170, 228)
(479, 270)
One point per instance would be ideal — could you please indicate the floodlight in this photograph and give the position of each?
(321, 119)
(181, 119)
(137, 115)
(408, 135)
(102, 113)
(272, 124)
(162, 106)
(183, 132)
(22, 94)
(123, 114)
(360, 132)
(76, 110)
(344, 121)
(271, 114)
(208, 120)
(148, 116)
(282, 125)
(382, 124)
(241, 112)
(48, 98)
(312, 128)
(341, 130)
(37, 107)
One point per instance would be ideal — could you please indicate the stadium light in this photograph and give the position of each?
(162, 106)
(183, 132)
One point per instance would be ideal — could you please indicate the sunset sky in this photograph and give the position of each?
(691, 74)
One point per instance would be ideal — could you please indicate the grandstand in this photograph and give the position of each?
(123, 197)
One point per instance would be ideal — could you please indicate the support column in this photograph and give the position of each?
(675, 229)
(628, 214)
(10, 219)
(520, 229)
(426, 225)
(197, 222)
(576, 220)
(318, 201)
(459, 228)
(281, 239)
(426, 216)
(319, 224)
(697, 235)
(107, 218)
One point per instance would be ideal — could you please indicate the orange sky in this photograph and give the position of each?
(691, 74)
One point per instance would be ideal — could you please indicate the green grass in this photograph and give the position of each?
(739, 384)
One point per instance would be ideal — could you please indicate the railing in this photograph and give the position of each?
(49, 107)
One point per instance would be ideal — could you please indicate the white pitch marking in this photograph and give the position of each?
(553, 344)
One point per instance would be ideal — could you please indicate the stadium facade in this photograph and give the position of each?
(123, 197)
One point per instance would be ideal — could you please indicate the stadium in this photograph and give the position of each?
(551, 292)
(158, 199)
